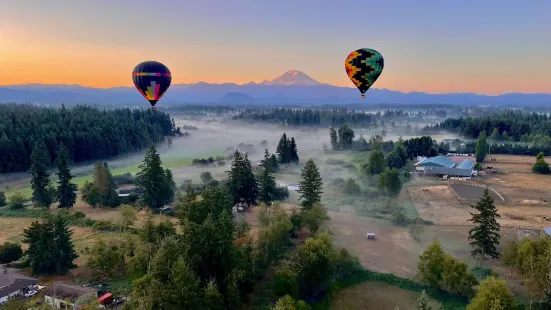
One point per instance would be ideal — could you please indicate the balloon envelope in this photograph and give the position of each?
(364, 66)
(152, 79)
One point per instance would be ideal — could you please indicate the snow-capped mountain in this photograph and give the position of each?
(292, 77)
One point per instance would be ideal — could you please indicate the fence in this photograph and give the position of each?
(525, 227)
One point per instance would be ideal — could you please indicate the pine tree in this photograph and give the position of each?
(333, 138)
(484, 237)
(241, 181)
(541, 166)
(310, 186)
(65, 193)
(423, 302)
(170, 187)
(152, 180)
(283, 150)
(51, 249)
(267, 182)
(40, 182)
(110, 196)
(3, 202)
(293, 151)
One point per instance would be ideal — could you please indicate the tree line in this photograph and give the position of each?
(317, 117)
(510, 125)
(88, 133)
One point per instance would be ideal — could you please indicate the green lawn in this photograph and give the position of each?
(172, 163)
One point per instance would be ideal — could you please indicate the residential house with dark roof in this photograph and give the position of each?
(13, 284)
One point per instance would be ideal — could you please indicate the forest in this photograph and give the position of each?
(510, 125)
(87, 132)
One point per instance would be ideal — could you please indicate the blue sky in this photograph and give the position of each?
(432, 46)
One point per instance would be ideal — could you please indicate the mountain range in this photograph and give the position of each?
(292, 87)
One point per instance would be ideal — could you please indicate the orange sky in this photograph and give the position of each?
(89, 47)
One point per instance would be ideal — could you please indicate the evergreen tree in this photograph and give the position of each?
(333, 138)
(481, 147)
(65, 193)
(267, 182)
(283, 150)
(51, 249)
(423, 302)
(541, 166)
(241, 181)
(273, 163)
(310, 186)
(3, 202)
(152, 180)
(484, 237)
(293, 151)
(170, 187)
(40, 182)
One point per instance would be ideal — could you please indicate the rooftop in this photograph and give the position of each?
(439, 161)
(547, 230)
(466, 164)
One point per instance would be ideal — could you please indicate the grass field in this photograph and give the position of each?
(376, 296)
(171, 163)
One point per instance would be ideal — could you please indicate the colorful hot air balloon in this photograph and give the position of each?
(152, 79)
(363, 67)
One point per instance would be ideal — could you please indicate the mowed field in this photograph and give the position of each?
(376, 296)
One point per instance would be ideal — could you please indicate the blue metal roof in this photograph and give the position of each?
(438, 161)
(466, 164)
(547, 230)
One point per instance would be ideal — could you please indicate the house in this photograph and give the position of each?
(66, 296)
(13, 284)
(451, 172)
(437, 161)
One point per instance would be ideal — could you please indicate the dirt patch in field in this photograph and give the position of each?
(439, 205)
(376, 296)
(394, 250)
(470, 192)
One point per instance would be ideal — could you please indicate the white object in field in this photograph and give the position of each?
(293, 187)
(370, 236)
(445, 177)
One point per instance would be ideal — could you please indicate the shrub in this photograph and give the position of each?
(105, 226)
(482, 273)
(10, 252)
(3, 202)
(285, 283)
(17, 201)
(351, 187)
(125, 178)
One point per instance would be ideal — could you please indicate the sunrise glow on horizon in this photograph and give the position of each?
(430, 46)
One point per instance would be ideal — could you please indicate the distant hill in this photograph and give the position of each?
(292, 87)
(237, 98)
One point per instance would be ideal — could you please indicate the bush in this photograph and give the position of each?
(285, 283)
(221, 163)
(125, 178)
(105, 226)
(351, 187)
(3, 202)
(482, 273)
(10, 252)
(399, 217)
(17, 201)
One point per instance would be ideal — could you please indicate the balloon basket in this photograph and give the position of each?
(363, 95)
(153, 109)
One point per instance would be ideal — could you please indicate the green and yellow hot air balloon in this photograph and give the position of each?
(364, 66)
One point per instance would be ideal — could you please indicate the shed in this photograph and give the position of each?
(371, 236)
(438, 161)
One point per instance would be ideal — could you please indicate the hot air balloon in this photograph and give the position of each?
(152, 79)
(364, 66)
